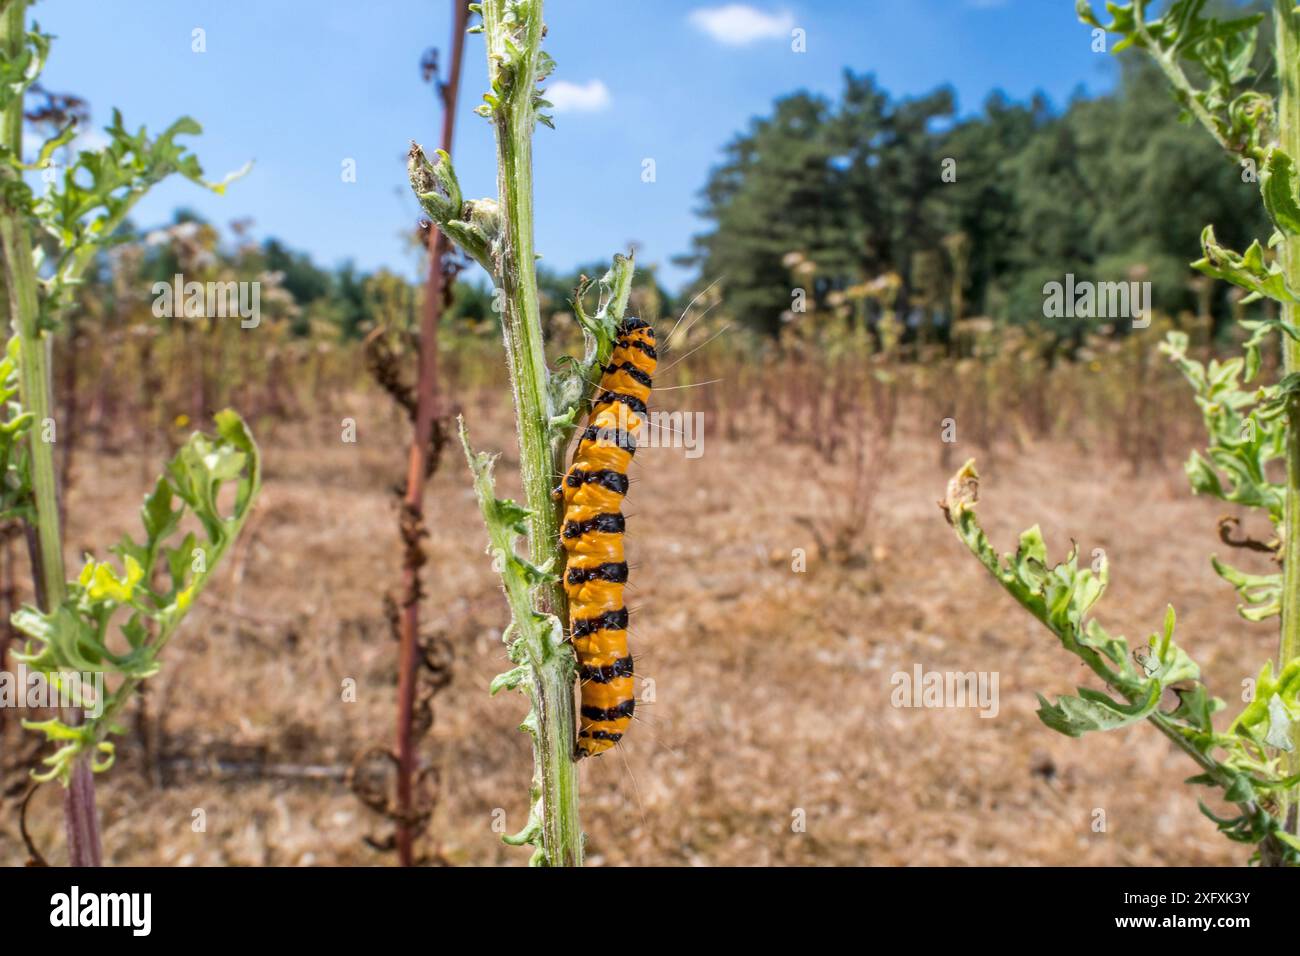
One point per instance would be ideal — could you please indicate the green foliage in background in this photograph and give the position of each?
(856, 185)
(1098, 188)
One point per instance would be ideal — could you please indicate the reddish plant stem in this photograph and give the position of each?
(80, 817)
(428, 412)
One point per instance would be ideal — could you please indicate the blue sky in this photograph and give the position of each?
(300, 87)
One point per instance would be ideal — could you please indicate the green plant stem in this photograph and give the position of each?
(1173, 71)
(1270, 850)
(1288, 119)
(80, 815)
(20, 273)
(552, 678)
(613, 303)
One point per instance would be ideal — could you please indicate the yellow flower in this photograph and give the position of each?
(185, 598)
(100, 582)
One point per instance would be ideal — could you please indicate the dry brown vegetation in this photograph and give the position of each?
(771, 688)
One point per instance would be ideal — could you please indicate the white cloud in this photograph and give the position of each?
(738, 24)
(586, 97)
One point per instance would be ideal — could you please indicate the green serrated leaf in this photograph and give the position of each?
(75, 635)
(1277, 183)
(1249, 270)
(1092, 710)
(510, 680)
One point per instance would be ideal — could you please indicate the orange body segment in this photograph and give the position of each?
(592, 534)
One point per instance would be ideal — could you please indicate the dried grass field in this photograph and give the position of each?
(768, 735)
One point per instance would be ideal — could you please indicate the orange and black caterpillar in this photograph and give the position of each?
(592, 534)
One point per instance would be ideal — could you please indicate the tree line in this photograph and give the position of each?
(825, 198)
(971, 216)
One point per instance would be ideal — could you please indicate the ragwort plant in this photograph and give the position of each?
(498, 234)
(114, 618)
(1254, 763)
